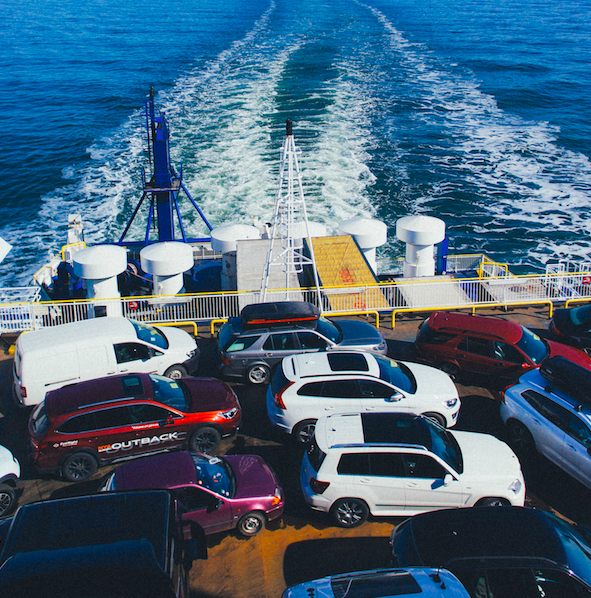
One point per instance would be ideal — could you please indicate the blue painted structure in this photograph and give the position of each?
(164, 187)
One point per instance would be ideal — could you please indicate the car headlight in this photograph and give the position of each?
(193, 353)
(230, 414)
(515, 487)
(451, 403)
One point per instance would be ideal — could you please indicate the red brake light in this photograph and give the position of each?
(23, 392)
(279, 396)
(317, 486)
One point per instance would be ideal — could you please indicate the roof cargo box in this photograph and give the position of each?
(278, 313)
(570, 377)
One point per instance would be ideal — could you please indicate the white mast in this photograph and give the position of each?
(290, 223)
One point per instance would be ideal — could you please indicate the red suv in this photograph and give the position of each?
(81, 426)
(457, 342)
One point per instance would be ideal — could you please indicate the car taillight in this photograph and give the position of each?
(224, 359)
(317, 486)
(279, 396)
(23, 392)
(504, 391)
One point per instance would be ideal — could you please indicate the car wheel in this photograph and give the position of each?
(437, 418)
(492, 501)
(204, 440)
(7, 499)
(251, 524)
(79, 467)
(349, 512)
(258, 374)
(520, 437)
(175, 372)
(451, 369)
(304, 431)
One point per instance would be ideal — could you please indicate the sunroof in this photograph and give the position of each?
(346, 362)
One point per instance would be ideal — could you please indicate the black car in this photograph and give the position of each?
(500, 552)
(572, 326)
(249, 346)
(124, 545)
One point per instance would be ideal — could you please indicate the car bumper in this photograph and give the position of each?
(315, 501)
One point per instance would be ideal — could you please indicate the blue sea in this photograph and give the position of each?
(477, 112)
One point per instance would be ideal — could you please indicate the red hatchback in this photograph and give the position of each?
(457, 342)
(81, 426)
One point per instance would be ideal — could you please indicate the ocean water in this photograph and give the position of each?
(478, 113)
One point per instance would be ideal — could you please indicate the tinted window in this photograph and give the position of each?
(194, 498)
(342, 362)
(554, 413)
(354, 464)
(144, 412)
(282, 341)
(309, 340)
(341, 389)
(386, 464)
(243, 342)
(422, 466)
(131, 352)
(579, 431)
(113, 418)
(79, 423)
(433, 337)
(376, 390)
(39, 419)
(312, 389)
(315, 455)
(505, 352)
(475, 345)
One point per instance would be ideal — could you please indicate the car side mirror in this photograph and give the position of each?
(448, 479)
(397, 396)
(169, 421)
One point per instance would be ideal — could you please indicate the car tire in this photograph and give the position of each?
(349, 512)
(493, 501)
(204, 439)
(78, 467)
(175, 372)
(258, 374)
(251, 524)
(304, 431)
(451, 369)
(520, 437)
(437, 418)
(7, 499)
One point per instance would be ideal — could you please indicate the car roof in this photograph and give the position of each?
(158, 471)
(480, 532)
(395, 429)
(326, 363)
(98, 391)
(489, 325)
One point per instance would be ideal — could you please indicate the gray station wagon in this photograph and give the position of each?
(250, 345)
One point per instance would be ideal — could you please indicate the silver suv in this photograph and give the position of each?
(265, 333)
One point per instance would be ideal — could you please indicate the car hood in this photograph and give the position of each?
(358, 333)
(253, 476)
(432, 383)
(209, 394)
(486, 457)
(178, 339)
(575, 355)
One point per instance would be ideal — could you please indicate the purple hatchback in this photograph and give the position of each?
(220, 493)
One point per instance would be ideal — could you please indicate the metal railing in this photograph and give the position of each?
(387, 298)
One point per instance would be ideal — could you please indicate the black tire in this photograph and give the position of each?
(493, 501)
(251, 524)
(258, 374)
(520, 437)
(204, 440)
(349, 512)
(7, 499)
(78, 467)
(175, 372)
(304, 431)
(437, 418)
(451, 369)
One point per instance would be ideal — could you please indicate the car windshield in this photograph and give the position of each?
(397, 374)
(169, 392)
(215, 474)
(533, 346)
(581, 315)
(149, 334)
(576, 546)
(445, 446)
(330, 330)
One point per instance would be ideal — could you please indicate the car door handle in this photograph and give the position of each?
(364, 481)
(331, 408)
(574, 448)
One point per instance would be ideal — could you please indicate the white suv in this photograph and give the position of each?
(400, 464)
(10, 471)
(550, 410)
(308, 386)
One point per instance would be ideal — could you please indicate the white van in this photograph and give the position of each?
(53, 357)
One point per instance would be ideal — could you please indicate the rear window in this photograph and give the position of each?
(375, 585)
(242, 342)
(430, 336)
(279, 381)
(39, 419)
(315, 455)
